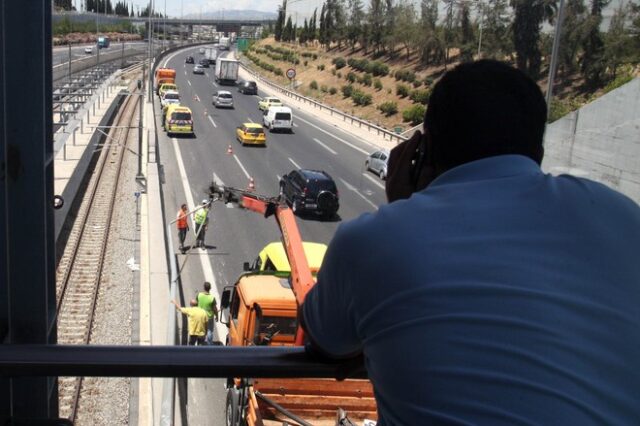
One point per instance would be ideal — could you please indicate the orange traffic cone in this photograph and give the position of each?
(229, 150)
(252, 184)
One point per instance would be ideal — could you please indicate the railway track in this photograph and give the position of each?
(80, 269)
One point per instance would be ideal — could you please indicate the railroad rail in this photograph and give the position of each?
(80, 268)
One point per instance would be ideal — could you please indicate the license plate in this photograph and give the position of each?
(312, 206)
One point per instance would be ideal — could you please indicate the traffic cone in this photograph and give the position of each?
(205, 112)
(230, 150)
(252, 184)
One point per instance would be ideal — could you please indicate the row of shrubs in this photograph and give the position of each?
(357, 96)
(264, 65)
(419, 96)
(314, 85)
(372, 67)
(309, 55)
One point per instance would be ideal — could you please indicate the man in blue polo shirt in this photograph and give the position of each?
(487, 292)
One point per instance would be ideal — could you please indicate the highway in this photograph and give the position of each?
(236, 236)
(61, 53)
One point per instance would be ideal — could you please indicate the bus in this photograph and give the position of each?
(103, 41)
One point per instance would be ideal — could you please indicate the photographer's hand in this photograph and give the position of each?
(402, 181)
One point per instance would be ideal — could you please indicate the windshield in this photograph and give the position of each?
(225, 95)
(255, 131)
(172, 96)
(181, 116)
(283, 325)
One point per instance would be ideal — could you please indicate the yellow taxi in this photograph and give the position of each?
(178, 119)
(166, 86)
(273, 258)
(251, 134)
(268, 102)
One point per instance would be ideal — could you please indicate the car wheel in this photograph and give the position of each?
(366, 165)
(383, 174)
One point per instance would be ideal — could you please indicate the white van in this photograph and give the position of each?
(278, 118)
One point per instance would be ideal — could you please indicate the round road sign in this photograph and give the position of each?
(291, 73)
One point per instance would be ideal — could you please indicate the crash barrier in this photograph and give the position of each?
(386, 134)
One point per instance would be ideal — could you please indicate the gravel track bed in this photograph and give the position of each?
(105, 400)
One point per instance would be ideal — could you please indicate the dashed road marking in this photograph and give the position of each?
(189, 81)
(212, 122)
(250, 120)
(246, 173)
(325, 146)
(294, 163)
(295, 125)
(354, 189)
(335, 137)
(373, 180)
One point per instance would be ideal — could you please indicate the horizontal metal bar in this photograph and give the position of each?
(170, 361)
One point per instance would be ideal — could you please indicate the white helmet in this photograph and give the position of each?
(204, 202)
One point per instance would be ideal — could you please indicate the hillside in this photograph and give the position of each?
(365, 87)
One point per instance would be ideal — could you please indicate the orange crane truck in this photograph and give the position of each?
(261, 309)
(162, 76)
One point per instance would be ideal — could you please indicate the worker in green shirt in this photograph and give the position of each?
(202, 222)
(206, 301)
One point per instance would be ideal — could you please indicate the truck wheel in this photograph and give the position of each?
(232, 410)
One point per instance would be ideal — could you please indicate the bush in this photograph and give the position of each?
(333, 90)
(339, 62)
(339, 74)
(405, 75)
(321, 67)
(377, 84)
(315, 56)
(417, 83)
(306, 63)
(402, 90)
(361, 98)
(420, 96)
(351, 76)
(378, 68)
(428, 81)
(388, 108)
(313, 85)
(414, 114)
(278, 71)
(324, 88)
(347, 90)
(365, 79)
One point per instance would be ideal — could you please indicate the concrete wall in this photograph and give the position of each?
(600, 141)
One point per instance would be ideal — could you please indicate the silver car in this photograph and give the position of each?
(223, 98)
(377, 163)
(198, 69)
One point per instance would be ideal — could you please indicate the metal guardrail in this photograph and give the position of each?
(345, 117)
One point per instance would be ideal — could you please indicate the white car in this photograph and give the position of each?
(377, 163)
(88, 49)
(278, 118)
(223, 98)
(170, 97)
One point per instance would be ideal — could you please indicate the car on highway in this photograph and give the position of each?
(201, 50)
(267, 102)
(204, 62)
(278, 118)
(251, 134)
(166, 86)
(170, 97)
(189, 60)
(312, 191)
(273, 258)
(377, 162)
(223, 98)
(198, 69)
(178, 120)
(247, 87)
(88, 49)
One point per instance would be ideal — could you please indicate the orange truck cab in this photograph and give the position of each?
(163, 75)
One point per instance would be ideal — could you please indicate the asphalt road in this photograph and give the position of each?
(236, 236)
(61, 54)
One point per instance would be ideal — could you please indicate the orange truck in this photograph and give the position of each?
(163, 75)
(261, 309)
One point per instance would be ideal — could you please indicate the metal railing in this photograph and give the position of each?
(316, 104)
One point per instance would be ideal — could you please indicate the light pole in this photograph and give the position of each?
(554, 56)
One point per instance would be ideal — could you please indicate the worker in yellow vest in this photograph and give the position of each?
(202, 222)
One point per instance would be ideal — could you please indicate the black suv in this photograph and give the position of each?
(189, 60)
(310, 191)
(248, 87)
(204, 62)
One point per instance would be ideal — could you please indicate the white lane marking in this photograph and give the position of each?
(335, 137)
(207, 74)
(325, 146)
(294, 163)
(185, 72)
(204, 260)
(279, 178)
(353, 188)
(214, 84)
(170, 57)
(295, 125)
(219, 181)
(242, 167)
(212, 122)
(372, 179)
(250, 120)
(189, 82)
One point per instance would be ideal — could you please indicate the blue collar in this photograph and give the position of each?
(488, 168)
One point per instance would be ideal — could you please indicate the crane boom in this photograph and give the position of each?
(301, 278)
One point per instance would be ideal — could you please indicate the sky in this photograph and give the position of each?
(173, 7)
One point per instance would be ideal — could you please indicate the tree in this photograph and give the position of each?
(312, 25)
(389, 26)
(573, 35)
(322, 32)
(63, 4)
(593, 66)
(617, 42)
(375, 21)
(405, 31)
(464, 36)
(354, 28)
(529, 16)
(432, 45)
(494, 21)
(282, 13)
(287, 33)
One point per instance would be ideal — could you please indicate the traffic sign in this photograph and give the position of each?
(291, 73)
